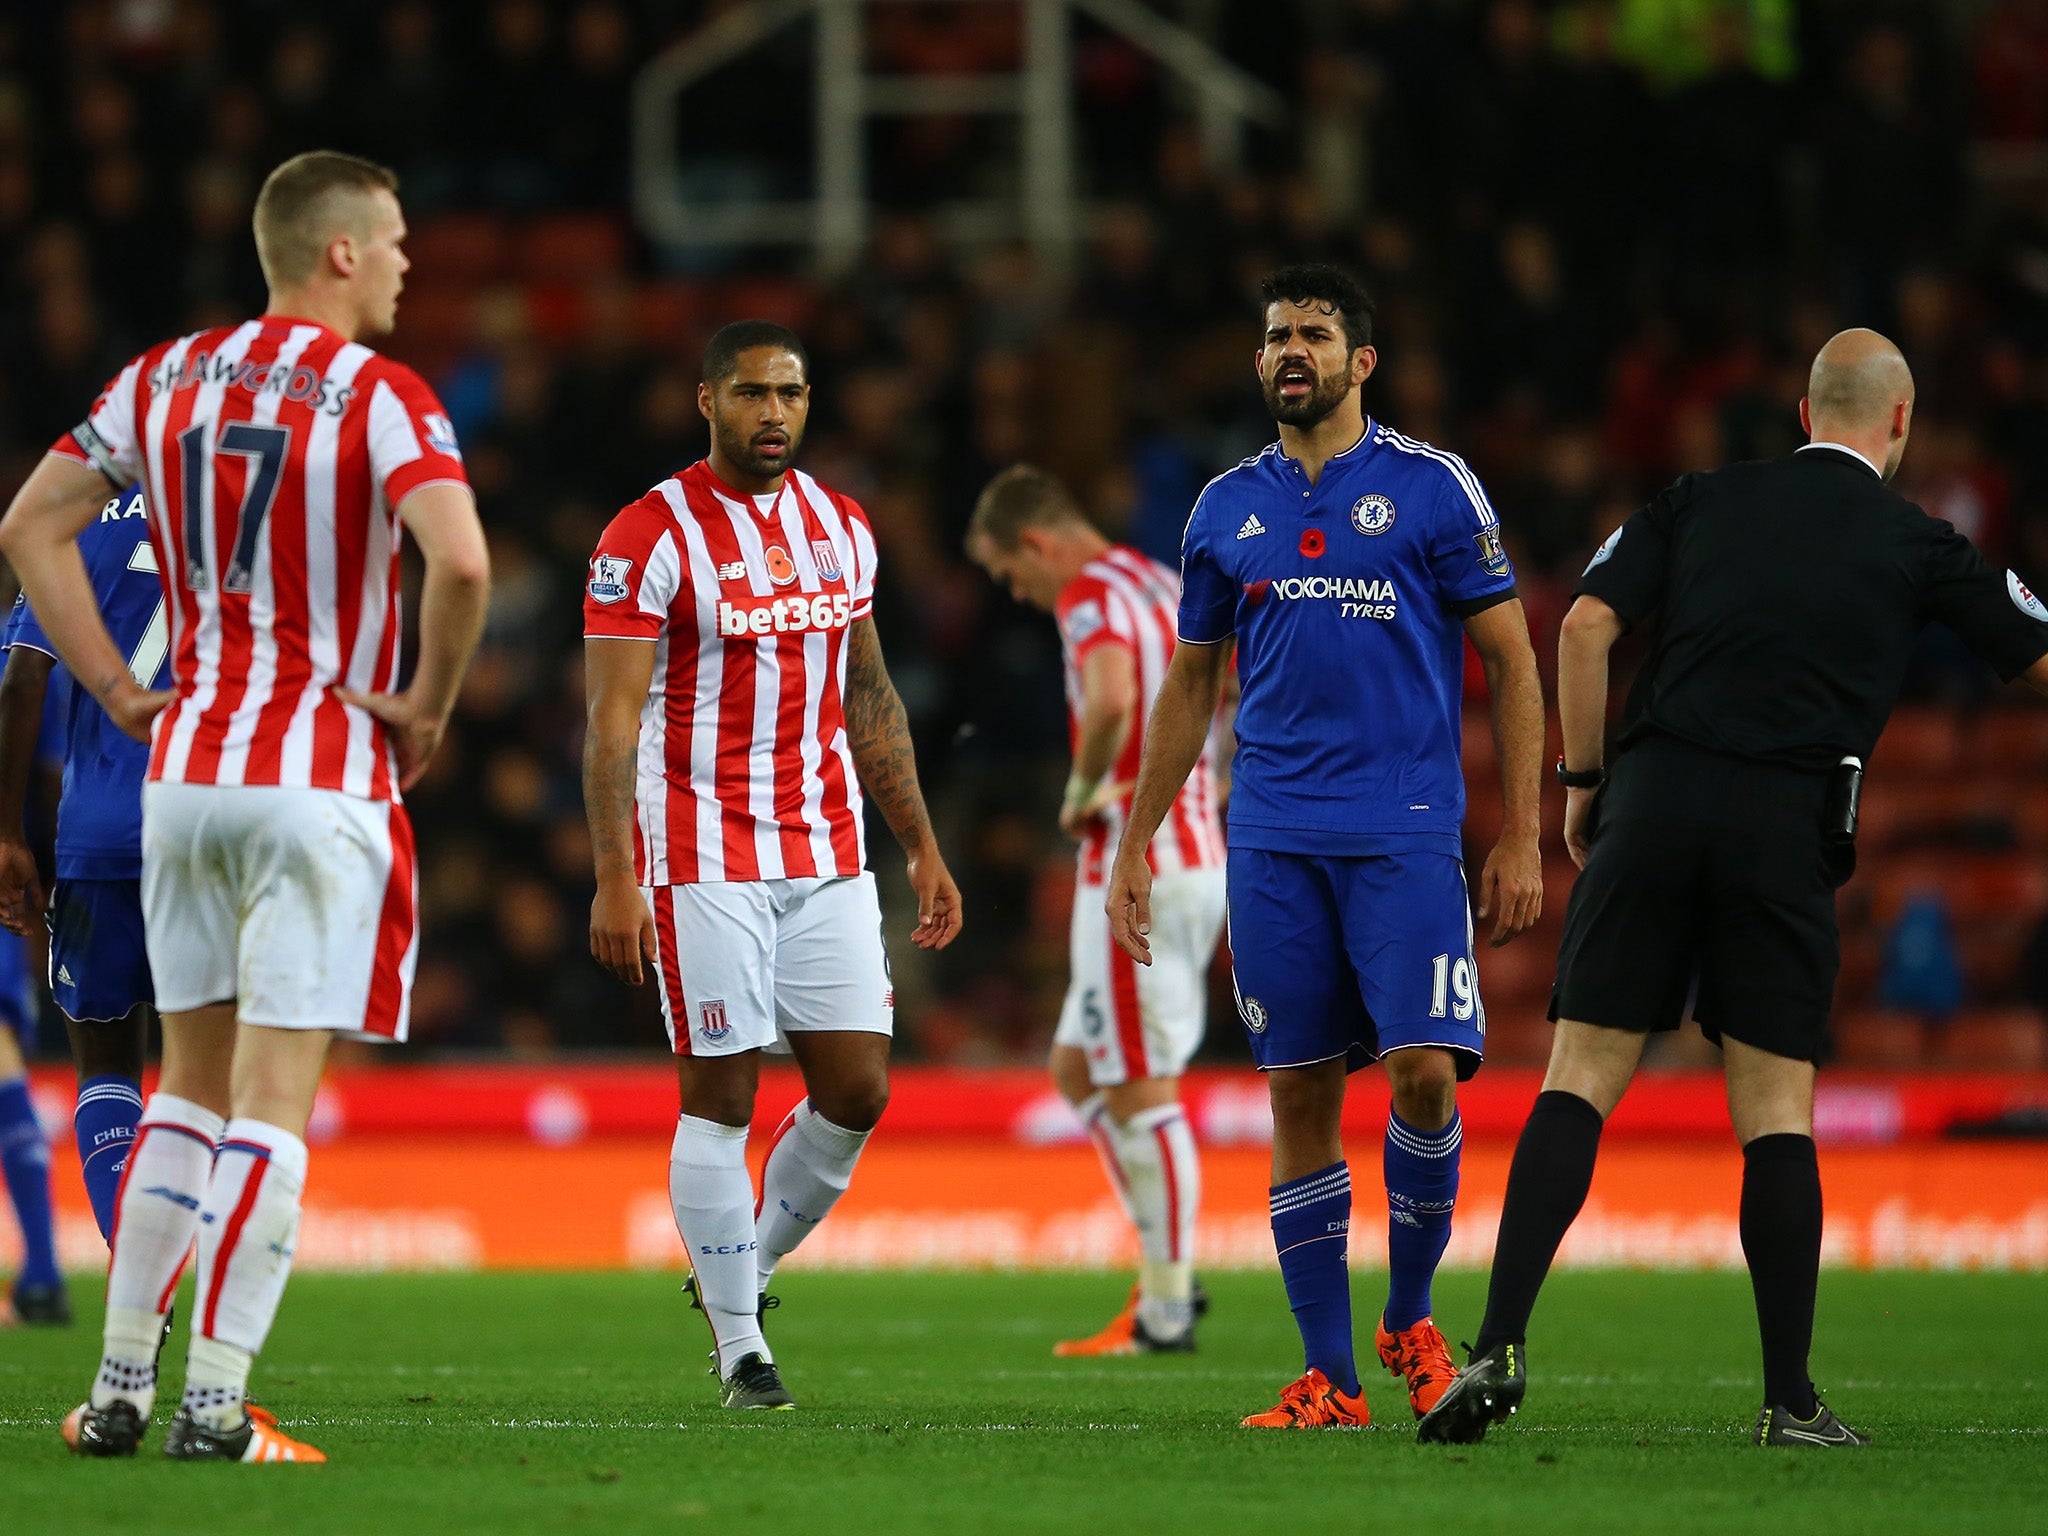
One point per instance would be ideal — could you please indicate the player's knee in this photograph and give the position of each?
(854, 1106)
(109, 1047)
(1425, 1087)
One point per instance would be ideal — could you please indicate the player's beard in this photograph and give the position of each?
(1328, 393)
(739, 451)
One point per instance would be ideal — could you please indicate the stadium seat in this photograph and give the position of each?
(1875, 1039)
(1919, 742)
(1994, 1040)
(464, 248)
(667, 313)
(2012, 740)
(558, 311)
(784, 301)
(572, 248)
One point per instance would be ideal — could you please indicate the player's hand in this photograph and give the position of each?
(938, 900)
(415, 730)
(1130, 905)
(134, 709)
(1084, 803)
(622, 931)
(21, 888)
(1511, 888)
(1578, 824)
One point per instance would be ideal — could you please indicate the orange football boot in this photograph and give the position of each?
(1119, 1338)
(1421, 1356)
(1312, 1403)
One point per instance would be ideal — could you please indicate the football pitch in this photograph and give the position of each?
(931, 1402)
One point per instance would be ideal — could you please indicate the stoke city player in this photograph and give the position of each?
(279, 459)
(1349, 564)
(739, 711)
(99, 962)
(1125, 1035)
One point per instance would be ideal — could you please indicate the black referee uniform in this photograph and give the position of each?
(1787, 597)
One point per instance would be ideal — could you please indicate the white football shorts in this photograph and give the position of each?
(1133, 1020)
(743, 963)
(298, 905)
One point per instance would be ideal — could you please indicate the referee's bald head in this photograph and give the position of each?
(1860, 394)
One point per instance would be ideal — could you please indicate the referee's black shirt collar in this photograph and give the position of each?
(1845, 451)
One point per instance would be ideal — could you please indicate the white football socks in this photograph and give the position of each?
(809, 1168)
(1163, 1173)
(155, 1219)
(713, 1200)
(1102, 1135)
(248, 1233)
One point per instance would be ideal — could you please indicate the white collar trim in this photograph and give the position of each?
(1844, 448)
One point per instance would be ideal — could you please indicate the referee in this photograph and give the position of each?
(1790, 594)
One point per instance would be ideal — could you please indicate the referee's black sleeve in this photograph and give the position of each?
(1628, 572)
(1987, 607)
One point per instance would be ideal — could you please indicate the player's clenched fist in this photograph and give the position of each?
(1130, 905)
(622, 930)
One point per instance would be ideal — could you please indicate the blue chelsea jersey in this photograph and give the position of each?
(1348, 599)
(99, 819)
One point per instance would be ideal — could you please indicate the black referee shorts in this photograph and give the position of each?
(1708, 881)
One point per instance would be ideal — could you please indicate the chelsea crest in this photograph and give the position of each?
(1372, 514)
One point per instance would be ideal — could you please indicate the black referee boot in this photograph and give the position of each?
(1777, 1426)
(1487, 1391)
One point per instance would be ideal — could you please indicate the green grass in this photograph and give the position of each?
(931, 1403)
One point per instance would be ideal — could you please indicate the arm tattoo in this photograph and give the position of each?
(879, 734)
(609, 772)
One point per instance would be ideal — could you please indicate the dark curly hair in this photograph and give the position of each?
(1319, 283)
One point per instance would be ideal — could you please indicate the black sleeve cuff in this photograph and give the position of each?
(1474, 605)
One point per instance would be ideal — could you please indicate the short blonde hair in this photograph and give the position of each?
(304, 205)
(1022, 496)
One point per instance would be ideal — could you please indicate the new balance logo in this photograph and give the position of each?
(1252, 527)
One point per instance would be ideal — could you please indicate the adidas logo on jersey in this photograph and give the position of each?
(1252, 527)
(64, 975)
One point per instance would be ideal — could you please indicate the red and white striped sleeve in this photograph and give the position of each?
(865, 559)
(411, 440)
(1090, 616)
(634, 575)
(108, 439)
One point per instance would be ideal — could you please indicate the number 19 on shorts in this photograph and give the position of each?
(1451, 990)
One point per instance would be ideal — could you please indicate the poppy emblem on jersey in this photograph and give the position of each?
(608, 578)
(2023, 598)
(827, 559)
(781, 569)
(1254, 1013)
(711, 1019)
(1312, 543)
(1493, 559)
(1372, 514)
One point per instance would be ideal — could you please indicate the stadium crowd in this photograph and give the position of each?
(1605, 237)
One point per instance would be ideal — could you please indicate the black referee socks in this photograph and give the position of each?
(1781, 1220)
(1547, 1184)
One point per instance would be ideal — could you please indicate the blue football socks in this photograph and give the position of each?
(104, 1124)
(1311, 1231)
(1422, 1190)
(25, 1159)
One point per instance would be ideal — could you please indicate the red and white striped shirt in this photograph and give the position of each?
(744, 772)
(1127, 599)
(273, 456)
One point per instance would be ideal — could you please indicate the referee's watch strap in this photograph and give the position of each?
(1585, 778)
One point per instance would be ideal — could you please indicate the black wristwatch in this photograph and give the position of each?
(1589, 778)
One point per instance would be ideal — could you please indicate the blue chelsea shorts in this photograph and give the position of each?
(1353, 957)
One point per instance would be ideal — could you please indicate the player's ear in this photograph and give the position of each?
(1363, 361)
(704, 401)
(341, 255)
(1806, 416)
